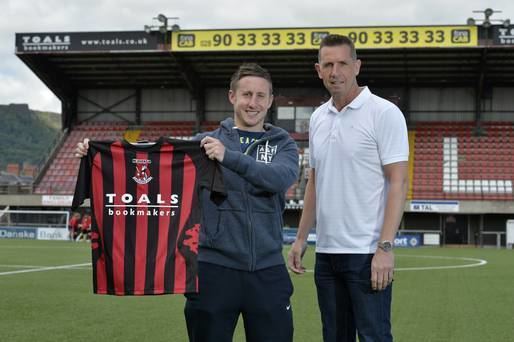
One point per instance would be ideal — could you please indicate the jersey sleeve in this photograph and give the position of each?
(83, 185)
(211, 176)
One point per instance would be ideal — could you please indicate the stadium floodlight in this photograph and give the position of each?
(162, 18)
(487, 21)
(163, 28)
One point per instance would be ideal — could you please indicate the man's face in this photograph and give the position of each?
(338, 70)
(251, 99)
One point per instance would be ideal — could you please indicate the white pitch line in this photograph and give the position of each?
(21, 266)
(41, 269)
(477, 262)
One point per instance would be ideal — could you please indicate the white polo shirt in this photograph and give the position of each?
(348, 149)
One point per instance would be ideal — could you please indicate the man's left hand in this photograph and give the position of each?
(382, 268)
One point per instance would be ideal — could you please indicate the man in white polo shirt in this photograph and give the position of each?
(355, 196)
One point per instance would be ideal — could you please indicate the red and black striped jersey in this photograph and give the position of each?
(146, 213)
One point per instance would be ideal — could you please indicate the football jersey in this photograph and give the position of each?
(145, 213)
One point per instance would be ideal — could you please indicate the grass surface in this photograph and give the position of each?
(447, 304)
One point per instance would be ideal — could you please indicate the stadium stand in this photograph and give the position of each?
(452, 161)
(209, 126)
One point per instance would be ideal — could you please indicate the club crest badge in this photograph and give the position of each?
(142, 173)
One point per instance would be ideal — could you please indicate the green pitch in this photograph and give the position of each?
(435, 298)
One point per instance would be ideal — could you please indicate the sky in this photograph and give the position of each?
(19, 85)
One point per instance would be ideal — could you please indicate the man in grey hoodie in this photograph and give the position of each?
(241, 268)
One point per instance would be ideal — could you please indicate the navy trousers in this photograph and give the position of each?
(347, 303)
(262, 297)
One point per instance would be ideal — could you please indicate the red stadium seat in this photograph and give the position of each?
(478, 159)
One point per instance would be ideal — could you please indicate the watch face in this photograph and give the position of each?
(385, 246)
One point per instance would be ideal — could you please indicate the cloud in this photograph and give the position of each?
(17, 87)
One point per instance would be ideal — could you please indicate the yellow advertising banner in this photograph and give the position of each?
(310, 38)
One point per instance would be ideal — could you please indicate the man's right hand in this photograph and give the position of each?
(81, 149)
(295, 255)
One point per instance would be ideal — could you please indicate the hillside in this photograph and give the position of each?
(26, 135)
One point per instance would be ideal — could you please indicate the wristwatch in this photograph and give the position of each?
(385, 245)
